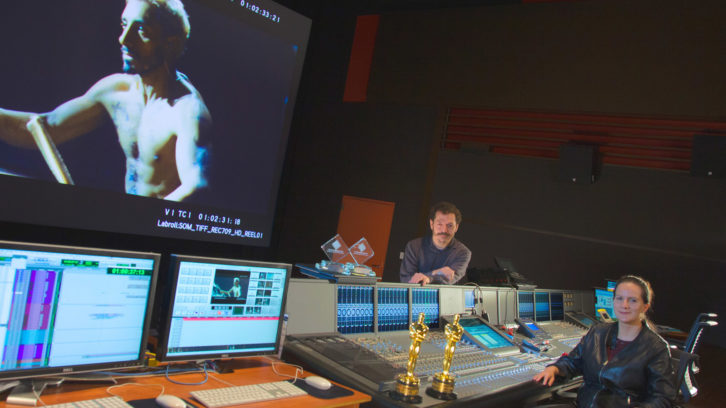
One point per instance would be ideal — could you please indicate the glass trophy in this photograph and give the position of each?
(336, 249)
(346, 260)
(337, 252)
(361, 251)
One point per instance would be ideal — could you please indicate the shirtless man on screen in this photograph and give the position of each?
(160, 118)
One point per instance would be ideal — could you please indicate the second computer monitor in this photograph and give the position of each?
(222, 308)
(604, 302)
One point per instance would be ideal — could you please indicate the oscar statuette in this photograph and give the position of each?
(442, 386)
(407, 384)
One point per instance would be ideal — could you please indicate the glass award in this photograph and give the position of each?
(335, 249)
(361, 251)
(346, 260)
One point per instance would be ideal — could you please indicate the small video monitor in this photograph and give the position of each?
(604, 302)
(483, 334)
(469, 302)
(530, 329)
(580, 319)
(223, 308)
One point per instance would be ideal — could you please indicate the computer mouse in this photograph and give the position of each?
(318, 382)
(170, 401)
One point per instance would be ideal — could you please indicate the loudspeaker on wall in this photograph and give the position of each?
(708, 155)
(578, 163)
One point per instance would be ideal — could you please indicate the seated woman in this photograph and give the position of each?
(624, 364)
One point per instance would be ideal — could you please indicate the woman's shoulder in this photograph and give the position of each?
(601, 327)
(653, 337)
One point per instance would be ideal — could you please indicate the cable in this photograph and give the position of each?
(108, 390)
(204, 370)
(298, 370)
(221, 380)
(36, 394)
(477, 294)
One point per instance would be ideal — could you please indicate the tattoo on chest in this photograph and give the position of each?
(118, 113)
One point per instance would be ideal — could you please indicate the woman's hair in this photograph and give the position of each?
(646, 293)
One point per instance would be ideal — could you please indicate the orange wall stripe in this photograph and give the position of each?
(361, 58)
(650, 142)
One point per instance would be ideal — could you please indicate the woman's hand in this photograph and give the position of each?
(547, 376)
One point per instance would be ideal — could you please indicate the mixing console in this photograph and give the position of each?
(563, 330)
(561, 338)
(363, 340)
(565, 337)
(381, 357)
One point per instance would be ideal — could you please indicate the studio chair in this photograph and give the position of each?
(684, 380)
(685, 359)
(690, 345)
(702, 321)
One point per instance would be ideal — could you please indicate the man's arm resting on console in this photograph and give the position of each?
(460, 264)
(452, 273)
(444, 275)
(409, 265)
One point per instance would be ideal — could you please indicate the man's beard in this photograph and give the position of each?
(134, 66)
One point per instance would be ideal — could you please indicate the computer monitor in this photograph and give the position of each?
(604, 301)
(611, 284)
(223, 308)
(66, 310)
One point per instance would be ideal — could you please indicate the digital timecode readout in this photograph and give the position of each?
(260, 11)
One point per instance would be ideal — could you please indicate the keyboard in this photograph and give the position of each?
(107, 402)
(244, 394)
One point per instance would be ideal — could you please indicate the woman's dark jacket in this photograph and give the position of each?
(640, 375)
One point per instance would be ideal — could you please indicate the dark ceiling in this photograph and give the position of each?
(311, 8)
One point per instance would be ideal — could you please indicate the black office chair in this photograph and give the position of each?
(685, 359)
(684, 380)
(691, 342)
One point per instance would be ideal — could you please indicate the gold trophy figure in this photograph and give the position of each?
(407, 384)
(442, 386)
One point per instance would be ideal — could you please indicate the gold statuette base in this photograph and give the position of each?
(407, 390)
(442, 387)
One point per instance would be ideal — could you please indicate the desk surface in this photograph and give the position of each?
(246, 371)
